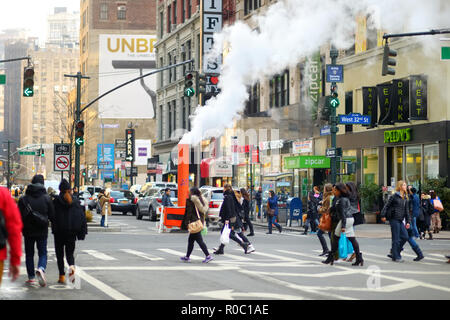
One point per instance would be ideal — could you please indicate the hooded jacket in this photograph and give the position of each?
(38, 199)
(398, 207)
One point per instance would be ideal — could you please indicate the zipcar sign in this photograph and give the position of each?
(306, 162)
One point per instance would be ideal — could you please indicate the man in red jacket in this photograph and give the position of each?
(13, 224)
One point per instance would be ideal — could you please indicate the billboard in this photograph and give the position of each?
(122, 58)
(142, 151)
(105, 156)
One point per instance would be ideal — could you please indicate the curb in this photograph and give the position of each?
(97, 228)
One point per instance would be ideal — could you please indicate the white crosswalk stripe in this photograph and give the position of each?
(99, 255)
(142, 255)
(365, 258)
(180, 254)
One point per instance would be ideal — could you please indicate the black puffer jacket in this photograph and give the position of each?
(313, 203)
(70, 219)
(398, 208)
(228, 209)
(343, 210)
(40, 201)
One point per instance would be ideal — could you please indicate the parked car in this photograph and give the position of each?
(121, 200)
(214, 196)
(150, 185)
(148, 203)
(92, 201)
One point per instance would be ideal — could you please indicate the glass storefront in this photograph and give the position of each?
(370, 165)
(413, 165)
(431, 161)
(399, 157)
(348, 155)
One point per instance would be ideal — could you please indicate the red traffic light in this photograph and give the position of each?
(214, 80)
(80, 124)
(29, 72)
(189, 76)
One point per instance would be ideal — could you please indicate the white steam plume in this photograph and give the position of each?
(289, 31)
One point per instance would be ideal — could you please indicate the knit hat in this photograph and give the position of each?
(64, 186)
(39, 178)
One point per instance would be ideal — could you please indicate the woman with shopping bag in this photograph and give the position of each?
(345, 224)
(194, 221)
(436, 216)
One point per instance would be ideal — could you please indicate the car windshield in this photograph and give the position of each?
(117, 194)
(152, 192)
(217, 195)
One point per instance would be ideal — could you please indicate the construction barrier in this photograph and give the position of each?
(170, 217)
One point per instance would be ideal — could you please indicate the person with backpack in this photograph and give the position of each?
(70, 225)
(36, 209)
(11, 233)
(196, 209)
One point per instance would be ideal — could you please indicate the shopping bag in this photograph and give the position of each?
(343, 246)
(225, 236)
(204, 231)
(437, 204)
(350, 249)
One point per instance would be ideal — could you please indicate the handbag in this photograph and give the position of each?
(325, 222)
(35, 217)
(437, 204)
(197, 225)
(359, 218)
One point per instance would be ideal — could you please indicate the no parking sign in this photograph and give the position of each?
(61, 157)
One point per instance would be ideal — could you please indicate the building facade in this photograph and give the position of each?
(63, 28)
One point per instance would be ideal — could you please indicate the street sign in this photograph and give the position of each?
(121, 144)
(133, 171)
(335, 73)
(2, 78)
(61, 157)
(27, 153)
(445, 53)
(79, 141)
(325, 131)
(129, 137)
(333, 152)
(353, 118)
(334, 102)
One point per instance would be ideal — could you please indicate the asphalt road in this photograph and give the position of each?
(140, 263)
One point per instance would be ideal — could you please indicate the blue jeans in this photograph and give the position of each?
(399, 237)
(102, 221)
(41, 244)
(414, 227)
(271, 220)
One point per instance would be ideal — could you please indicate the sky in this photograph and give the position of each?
(32, 14)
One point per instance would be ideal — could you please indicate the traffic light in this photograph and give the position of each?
(188, 84)
(41, 152)
(79, 133)
(28, 81)
(201, 84)
(387, 61)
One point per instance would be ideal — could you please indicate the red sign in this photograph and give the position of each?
(255, 155)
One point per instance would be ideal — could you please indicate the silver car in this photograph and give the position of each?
(214, 196)
(151, 200)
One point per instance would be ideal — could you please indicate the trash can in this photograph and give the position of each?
(295, 207)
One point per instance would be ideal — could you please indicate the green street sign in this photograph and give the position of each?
(445, 53)
(334, 102)
(79, 141)
(2, 78)
(27, 153)
(306, 162)
(189, 92)
(28, 92)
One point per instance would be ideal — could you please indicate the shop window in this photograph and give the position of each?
(431, 161)
(399, 161)
(413, 165)
(348, 155)
(370, 167)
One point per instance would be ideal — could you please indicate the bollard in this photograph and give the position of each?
(106, 216)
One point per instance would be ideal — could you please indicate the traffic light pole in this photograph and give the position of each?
(333, 120)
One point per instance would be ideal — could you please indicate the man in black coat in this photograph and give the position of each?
(36, 209)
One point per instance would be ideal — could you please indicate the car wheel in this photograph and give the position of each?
(138, 214)
(152, 214)
(124, 213)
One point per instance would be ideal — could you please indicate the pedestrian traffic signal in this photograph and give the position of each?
(201, 84)
(387, 61)
(188, 84)
(28, 81)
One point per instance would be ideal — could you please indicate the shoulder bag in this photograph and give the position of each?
(325, 222)
(197, 225)
(35, 217)
(270, 212)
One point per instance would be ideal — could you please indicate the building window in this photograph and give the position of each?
(174, 69)
(431, 161)
(348, 108)
(161, 24)
(175, 8)
(252, 106)
(161, 74)
(160, 123)
(121, 12)
(370, 167)
(169, 17)
(169, 59)
(103, 11)
(251, 5)
(279, 90)
(183, 10)
(184, 118)
(189, 9)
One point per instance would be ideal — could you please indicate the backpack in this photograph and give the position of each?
(77, 221)
(3, 232)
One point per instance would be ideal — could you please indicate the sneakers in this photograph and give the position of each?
(62, 280)
(250, 249)
(40, 274)
(185, 259)
(208, 259)
(31, 282)
(72, 274)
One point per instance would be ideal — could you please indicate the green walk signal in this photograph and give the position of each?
(79, 141)
(334, 102)
(189, 92)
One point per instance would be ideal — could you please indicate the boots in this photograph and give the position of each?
(220, 249)
(359, 260)
(280, 229)
(245, 245)
(419, 254)
(431, 237)
(330, 259)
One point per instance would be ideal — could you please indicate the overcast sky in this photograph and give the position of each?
(32, 14)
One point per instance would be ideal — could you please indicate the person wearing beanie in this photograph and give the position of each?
(36, 209)
(70, 224)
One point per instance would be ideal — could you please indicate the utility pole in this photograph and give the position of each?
(8, 173)
(333, 119)
(78, 76)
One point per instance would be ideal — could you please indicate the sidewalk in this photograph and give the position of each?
(379, 231)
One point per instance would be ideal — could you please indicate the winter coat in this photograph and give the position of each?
(246, 208)
(313, 203)
(427, 209)
(415, 205)
(343, 209)
(166, 202)
(36, 196)
(326, 203)
(190, 213)
(228, 210)
(399, 208)
(273, 204)
(354, 204)
(13, 225)
(104, 204)
(70, 219)
(258, 198)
